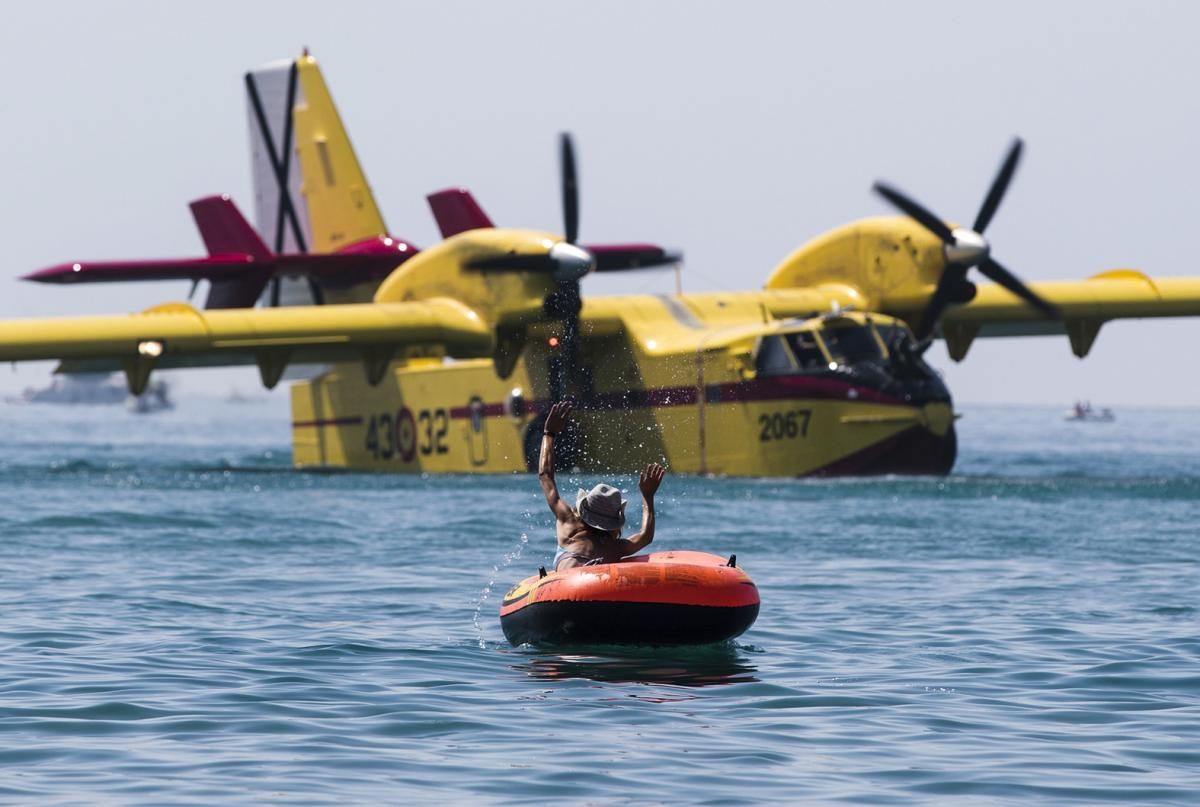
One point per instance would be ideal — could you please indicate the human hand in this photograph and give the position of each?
(650, 479)
(556, 419)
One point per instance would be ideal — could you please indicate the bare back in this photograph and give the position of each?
(579, 539)
(581, 542)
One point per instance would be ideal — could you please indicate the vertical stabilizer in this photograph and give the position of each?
(456, 211)
(226, 232)
(272, 91)
(310, 192)
(341, 208)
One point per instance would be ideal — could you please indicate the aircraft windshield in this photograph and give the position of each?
(808, 352)
(849, 344)
(892, 335)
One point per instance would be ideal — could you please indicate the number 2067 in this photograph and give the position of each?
(784, 425)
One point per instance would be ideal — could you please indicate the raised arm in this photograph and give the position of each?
(556, 421)
(650, 479)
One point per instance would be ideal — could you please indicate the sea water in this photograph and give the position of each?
(186, 619)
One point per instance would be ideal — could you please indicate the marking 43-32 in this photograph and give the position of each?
(400, 435)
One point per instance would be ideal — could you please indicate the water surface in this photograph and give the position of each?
(185, 619)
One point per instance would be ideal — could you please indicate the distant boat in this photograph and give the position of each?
(97, 389)
(1083, 411)
(83, 388)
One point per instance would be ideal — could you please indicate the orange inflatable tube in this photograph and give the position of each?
(663, 598)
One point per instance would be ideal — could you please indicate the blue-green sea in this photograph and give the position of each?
(184, 619)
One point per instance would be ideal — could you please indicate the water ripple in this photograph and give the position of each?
(189, 621)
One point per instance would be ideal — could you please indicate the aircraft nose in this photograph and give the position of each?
(938, 417)
(571, 262)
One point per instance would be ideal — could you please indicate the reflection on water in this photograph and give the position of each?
(709, 665)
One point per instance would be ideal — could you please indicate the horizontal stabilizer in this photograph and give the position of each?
(370, 260)
(216, 268)
(239, 264)
(456, 211)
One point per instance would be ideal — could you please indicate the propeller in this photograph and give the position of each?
(566, 303)
(964, 248)
(567, 262)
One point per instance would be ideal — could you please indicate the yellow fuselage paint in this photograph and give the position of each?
(666, 372)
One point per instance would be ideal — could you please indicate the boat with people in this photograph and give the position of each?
(662, 598)
(1083, 411)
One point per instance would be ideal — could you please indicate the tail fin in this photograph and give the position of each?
(456, 211)
(225, 231)
(319, 202)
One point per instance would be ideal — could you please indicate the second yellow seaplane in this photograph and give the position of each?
(444, 359)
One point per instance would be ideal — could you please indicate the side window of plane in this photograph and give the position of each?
(808, 353)
(774, 357)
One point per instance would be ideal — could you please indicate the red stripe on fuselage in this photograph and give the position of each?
(489, 410)
(346, 421)
(760, 389)
(775, 388)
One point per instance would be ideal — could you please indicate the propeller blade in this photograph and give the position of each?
(1008, 280)
(570, 188)
(512, 263)
(953, 276)
(631, 256)
(912, 208)
(564, 304)
(999, 186)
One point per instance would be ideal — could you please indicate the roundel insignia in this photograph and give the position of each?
(406, 434)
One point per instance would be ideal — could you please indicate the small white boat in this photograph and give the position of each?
(1083, 411)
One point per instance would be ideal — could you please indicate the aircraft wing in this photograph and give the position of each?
(178, 335)
(1085, 305)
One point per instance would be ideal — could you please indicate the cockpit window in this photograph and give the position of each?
(892, 335)
(850, 344)
(808, 352)
(774, 358)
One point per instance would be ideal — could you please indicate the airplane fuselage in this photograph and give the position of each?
(767, 399)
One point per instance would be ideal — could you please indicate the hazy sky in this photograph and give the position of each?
(735, 131)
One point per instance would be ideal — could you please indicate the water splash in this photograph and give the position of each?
(510, 556)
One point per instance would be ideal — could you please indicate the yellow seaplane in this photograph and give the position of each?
(445, 359)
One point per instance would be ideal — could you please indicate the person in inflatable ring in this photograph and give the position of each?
(590, 532)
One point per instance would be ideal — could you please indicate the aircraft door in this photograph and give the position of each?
(477, 442)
